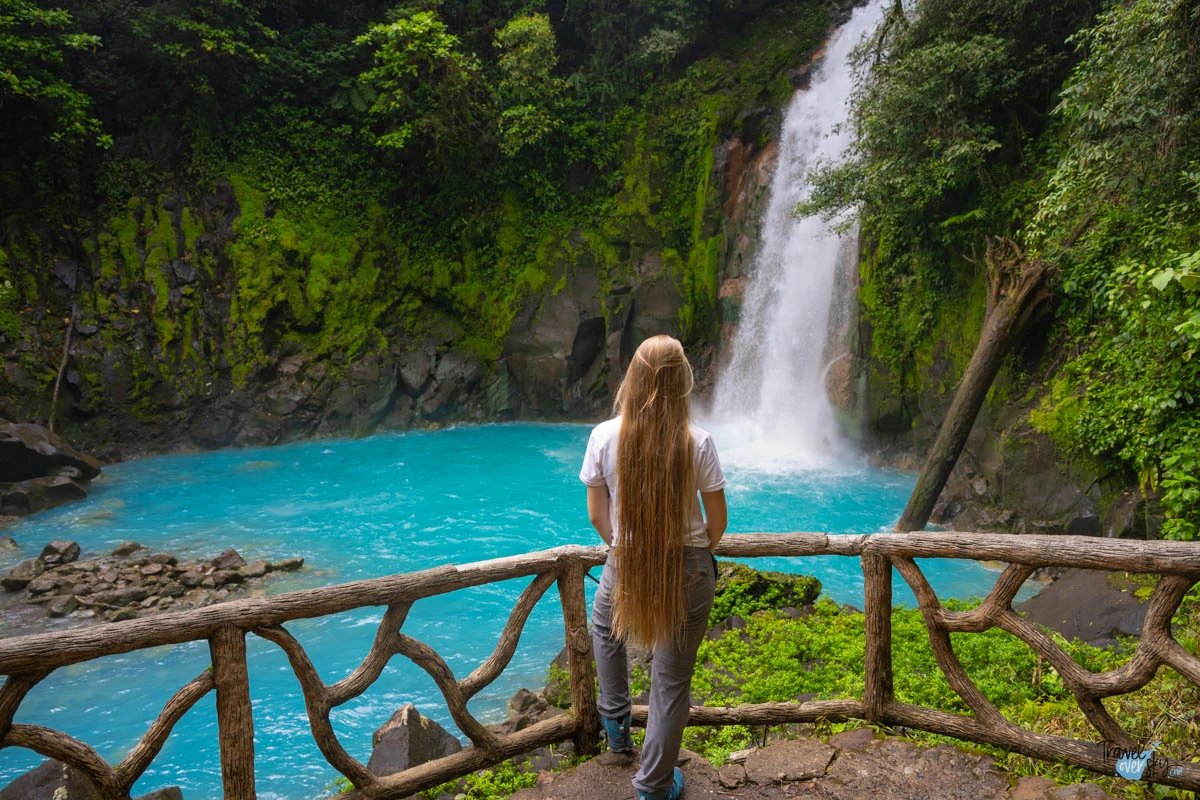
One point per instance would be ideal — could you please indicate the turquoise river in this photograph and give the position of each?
(386, 504)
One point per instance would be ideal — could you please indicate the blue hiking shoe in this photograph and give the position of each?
(620, 740)
(672, 792)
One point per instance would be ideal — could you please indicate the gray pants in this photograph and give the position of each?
(670, 672)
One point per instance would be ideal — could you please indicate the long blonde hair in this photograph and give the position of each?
(655, 492)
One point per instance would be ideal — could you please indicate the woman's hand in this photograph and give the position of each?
(716, 516)
(599, 509)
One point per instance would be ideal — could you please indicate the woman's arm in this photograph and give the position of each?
(716, 516)
(598, 511)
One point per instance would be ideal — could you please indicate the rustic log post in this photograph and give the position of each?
(580, 661)
(235, 720)
(877, 618)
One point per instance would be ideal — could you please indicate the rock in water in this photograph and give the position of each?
(126, 549)
(59, 552)
(38, 494)
(409, 739)
(54, 780)
(20, 575)
(30, 451)
(229, 560)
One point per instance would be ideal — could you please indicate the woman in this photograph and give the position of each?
(643, 470)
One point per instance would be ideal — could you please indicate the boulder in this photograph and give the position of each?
(191, 579)
(30, 451)
(254, 569)
(126, 549)
(42, 584)
(7, 543)
(286, 565)
(20, 575)
(62, 605)
(558, 685)
(59, 552)
(229, 560)
(1091, 605)
(409, 739)
(224, 576)
(415, 368)
(54, 780)
(743, 590)
(38, 494)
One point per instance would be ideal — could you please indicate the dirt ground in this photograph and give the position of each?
(850, 766)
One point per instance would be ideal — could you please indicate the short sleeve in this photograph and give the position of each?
(592, 472)
(709, 476)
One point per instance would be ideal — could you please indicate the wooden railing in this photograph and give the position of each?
(26, 660)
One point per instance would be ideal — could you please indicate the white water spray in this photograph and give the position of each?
(770, 406)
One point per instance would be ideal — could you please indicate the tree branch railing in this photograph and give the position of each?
(27, 660)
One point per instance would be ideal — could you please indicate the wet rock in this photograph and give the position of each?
(20, 575)
(126, 549)
(524, 709)
(164, 558)
(50, 781)
(171, 589)
(224, 576)
(416, 369)
(7, 543)
(38, 494)
(286, 565)
(31, 451)
(228, 560)
(121, 614)
(191, 579)
(62, 605)
(253, 569)
(1091, 605)
(152, 569)
(408, 739)
(42, 584)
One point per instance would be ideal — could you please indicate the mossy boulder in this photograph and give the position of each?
(742, 590)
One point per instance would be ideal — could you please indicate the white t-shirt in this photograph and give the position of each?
(600, 469)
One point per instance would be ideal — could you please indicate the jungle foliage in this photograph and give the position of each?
(357, 174)
(1071, 127)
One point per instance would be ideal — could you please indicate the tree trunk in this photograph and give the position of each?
(1017, 288)
(62, 368)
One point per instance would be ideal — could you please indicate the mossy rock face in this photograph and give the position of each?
(742, 590)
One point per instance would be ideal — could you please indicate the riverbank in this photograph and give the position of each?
(58, 589)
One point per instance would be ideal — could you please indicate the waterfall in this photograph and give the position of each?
(770, 402)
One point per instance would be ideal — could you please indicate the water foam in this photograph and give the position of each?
(770, 409)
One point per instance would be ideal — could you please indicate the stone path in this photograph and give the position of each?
(853, 765)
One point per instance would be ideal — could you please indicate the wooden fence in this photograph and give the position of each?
(26, 660)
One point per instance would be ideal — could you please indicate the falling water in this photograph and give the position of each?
(770, 400)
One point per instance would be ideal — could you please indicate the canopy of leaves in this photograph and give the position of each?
(949, 93)
(36, 90)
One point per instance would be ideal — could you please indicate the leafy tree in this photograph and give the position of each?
(946, 101)
(428, 88)
(198, 36)
(34, 83)
(528, 91)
